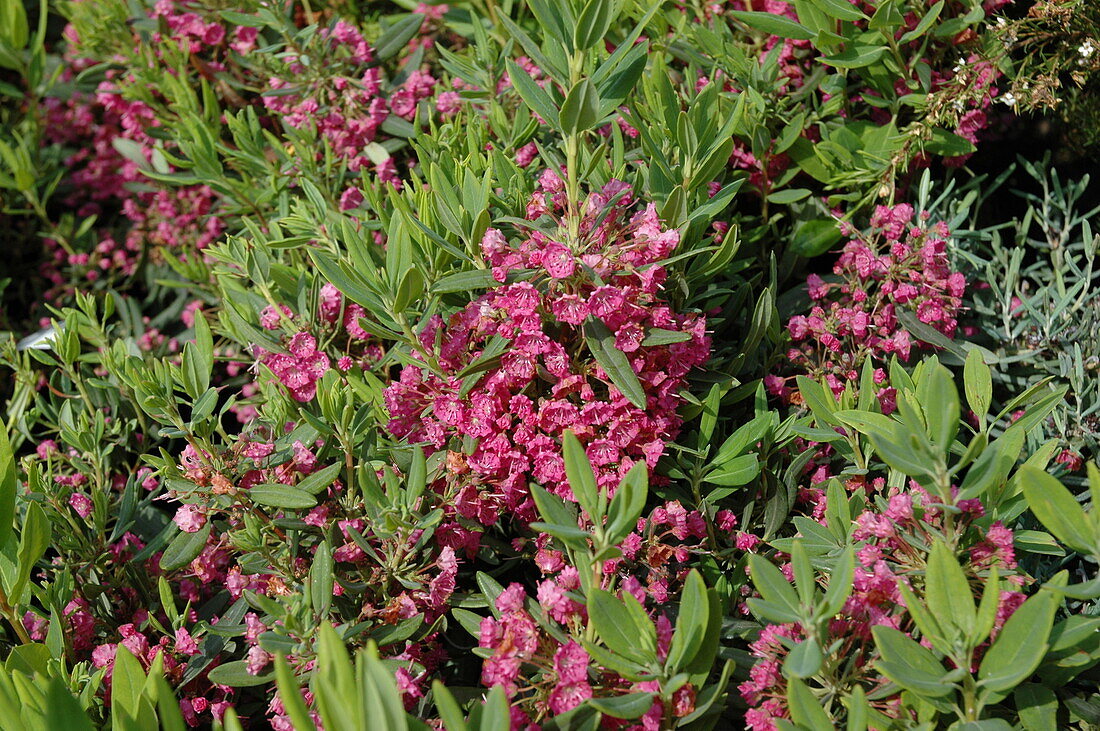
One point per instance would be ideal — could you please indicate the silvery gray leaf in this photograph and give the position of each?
(41, 340)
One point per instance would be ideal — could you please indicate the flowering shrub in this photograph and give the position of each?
(899, 270)
(411, 366)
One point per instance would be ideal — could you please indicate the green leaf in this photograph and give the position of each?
(804, 660)
(940, 401)
(805, 708)
(593, 23)
(581, 109)
(1037, 707)
(771, 583)
(1021, 644)
(281, 496)
(627, 505)
(627, 707)
(317, 481)
(691, 623)
(62, 710)
(775, 25)
(735, 472)
(468, 281)
(8, 479)
(235, 674)
(533, 95)
(840, 9)
(184, 548)
(601, 342)
(813, 238)
(127, 681)
(1057, 510)
(948, 144)
(552, 508)
(840, 584)
(657, 336)
(856, 57)
(614, 625)
(580, 475)
(947, 590)
(450, 713)
(925, 23)
(908, 664)
(396, 37)
(790, 195)
(290, 695)
(321, 579)
(33, 542)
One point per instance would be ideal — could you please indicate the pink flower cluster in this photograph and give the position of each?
(345, 102)
(300, 367)
(902, 265)
(545, 674)
(893, 535)
(541, 377)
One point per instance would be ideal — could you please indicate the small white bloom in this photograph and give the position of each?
(1086, 50)
(1008, 99)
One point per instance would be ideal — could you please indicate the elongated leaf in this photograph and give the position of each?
(691, 623)
(947, 591)
(581, 109)
(316, 482)
(614, 625)
(773, 24)
(1057, 509)
(627, 505)
(533, 95)
(581, 477)
(804, 660)
(977, 380)
(33, 542)
(281, 496)
(771, 583)
(1021, 644)
(627, 707)
(184, 548)
(7, 488)
(910, 665)
(613, 361)
(395, 38)
(235, 674)
(290, 694)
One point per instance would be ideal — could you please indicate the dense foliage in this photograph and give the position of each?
(549, 364)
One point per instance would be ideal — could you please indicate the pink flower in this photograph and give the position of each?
(350, 199)
(257, 660)
(81, 503)
(571, 663)
(185, 644)
(190, 518)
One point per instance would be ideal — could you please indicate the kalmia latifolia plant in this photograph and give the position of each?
(544, 365)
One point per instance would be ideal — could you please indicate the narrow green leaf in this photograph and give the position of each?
(533, 95)
(8, 479)
(775, 25)
(1057, 510)
(581, 109)
(281, 496)
(184, 548)
(691, 623)
(580, 475)
(1021, 644)
(601, 342)
(395, 38)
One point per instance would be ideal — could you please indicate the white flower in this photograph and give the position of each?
(1008, 99)
(1086, 50)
